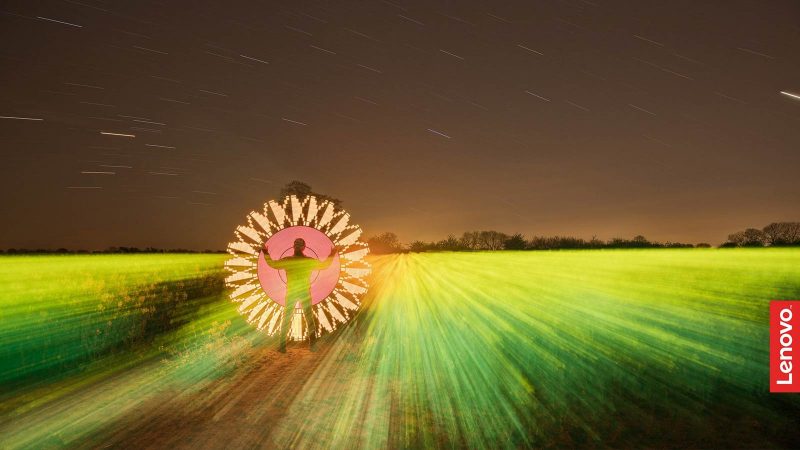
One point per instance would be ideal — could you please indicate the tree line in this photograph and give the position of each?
(776, 234)
(495, 240)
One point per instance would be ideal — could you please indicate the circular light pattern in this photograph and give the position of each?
(280, 245)
(260, 290)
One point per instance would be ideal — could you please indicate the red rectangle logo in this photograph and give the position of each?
(783, 334)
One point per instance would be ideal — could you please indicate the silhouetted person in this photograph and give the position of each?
(298, 268)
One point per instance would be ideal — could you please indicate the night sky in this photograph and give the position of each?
(678, 120)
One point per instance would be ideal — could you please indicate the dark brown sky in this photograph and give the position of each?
(607, 118)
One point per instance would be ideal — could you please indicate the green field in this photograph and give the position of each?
(608, 348)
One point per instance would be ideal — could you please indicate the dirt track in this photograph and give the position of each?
(243, 411)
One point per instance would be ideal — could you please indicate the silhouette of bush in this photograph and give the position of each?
(384, 243)
(451, 244)
(515, 242)
(420, 246)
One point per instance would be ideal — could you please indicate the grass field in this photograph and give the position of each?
(617, 348)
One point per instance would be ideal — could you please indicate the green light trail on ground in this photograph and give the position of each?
(622, 348)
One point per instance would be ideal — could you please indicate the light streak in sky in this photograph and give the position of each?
(529, 49)
(294, 121)
(254, 59)
(19, 118)
(159, 146)
(451, 54)
(108, 133)
(439, 133)
(537, 96)
(58, 21)
(789, 94)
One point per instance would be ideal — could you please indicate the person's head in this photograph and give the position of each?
(299, 246)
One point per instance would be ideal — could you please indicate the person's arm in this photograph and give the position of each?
(324, 264)
(275, 264)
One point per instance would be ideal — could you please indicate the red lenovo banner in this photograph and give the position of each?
(783, 325)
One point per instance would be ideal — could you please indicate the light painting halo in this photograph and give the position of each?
(333, 303)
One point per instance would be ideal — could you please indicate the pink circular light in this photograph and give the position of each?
(318, 246)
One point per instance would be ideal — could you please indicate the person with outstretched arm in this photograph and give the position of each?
(299, 268)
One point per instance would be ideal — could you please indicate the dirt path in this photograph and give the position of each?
(245, 410)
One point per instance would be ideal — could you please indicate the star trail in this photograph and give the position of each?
(158, 123)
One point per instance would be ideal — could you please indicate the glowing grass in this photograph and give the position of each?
(87, 337)
(57, 312)
(628, 348)
(622, 348)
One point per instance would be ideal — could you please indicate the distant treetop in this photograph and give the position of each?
(303, 190)
(776, 234)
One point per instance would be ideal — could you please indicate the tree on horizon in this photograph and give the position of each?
(303, 190)
(384, 243)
